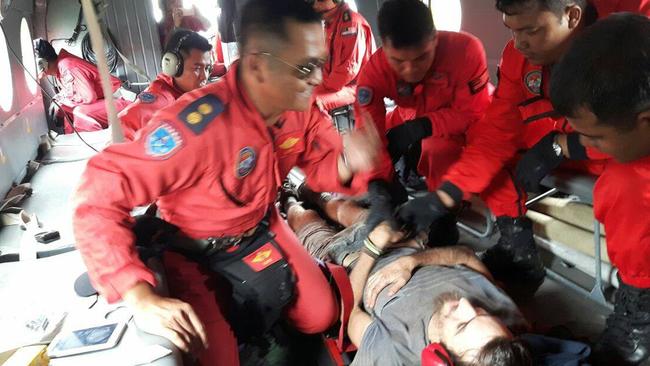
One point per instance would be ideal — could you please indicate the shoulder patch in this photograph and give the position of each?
(246, 161)
(349, 31)
(346, 16)
(533, 82)
(479, 83)
(364, 95)
(198, 115)
(147, 98)
(163, 141)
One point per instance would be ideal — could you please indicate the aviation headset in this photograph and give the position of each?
(172, 60)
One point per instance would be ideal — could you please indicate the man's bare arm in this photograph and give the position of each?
(399, 272)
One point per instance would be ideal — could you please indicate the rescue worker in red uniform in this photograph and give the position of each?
(192, 73)
(601, 85)
(214, 161)
(519, 116)
(437, 79)
(81, 97)
(350, 41)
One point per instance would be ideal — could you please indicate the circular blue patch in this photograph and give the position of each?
(162, 141)
(364, 95)
(147, 98)
(245, 162)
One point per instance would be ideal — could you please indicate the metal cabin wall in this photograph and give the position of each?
(136, 33)
(23, 124)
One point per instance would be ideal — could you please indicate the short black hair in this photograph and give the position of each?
(500, 351)
(44, 49)
(269, 17)
(509, 7)
(405, 23)
(607, 71)
(185, 40)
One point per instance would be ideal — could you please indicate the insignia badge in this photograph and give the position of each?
(349, 31)
(404, 89)
(147, 98)
(364, 95)
(289, 143)
(346, 16)
(262, 257)
(163, 141)
(245, 162)
(477, 84)
(533, 82)
(198, 115)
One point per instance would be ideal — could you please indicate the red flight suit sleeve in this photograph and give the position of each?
(494, 139)
(471, 95)
(84, 86)
(319, 161)
(350, 42)
(116, 180)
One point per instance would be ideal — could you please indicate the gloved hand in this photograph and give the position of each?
(401, 137)
(381, 205)
(422, 211)
(537, 162)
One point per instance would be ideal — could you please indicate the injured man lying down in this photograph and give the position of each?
(436, 306)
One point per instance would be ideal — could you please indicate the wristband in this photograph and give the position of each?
(371, 249)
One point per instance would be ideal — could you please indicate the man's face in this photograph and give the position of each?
(284, 86)
(411, 63)
(622, 145)
(463, 328)
(196, 69)
(322, 6)
(541, 35)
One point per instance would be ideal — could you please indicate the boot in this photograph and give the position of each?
(443, 232)
(626, 339)
(515, 259)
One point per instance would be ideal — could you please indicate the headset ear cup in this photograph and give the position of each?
(179, 65)
(169, 64)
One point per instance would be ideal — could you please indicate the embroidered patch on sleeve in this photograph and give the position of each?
(364, 95)
(349, 31)
(479, 83)
(147, 98)
(162, 142)
(198, 115)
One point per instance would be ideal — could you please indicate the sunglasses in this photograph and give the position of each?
(303, 72)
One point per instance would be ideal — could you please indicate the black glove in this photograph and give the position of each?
(402, 137)
(422, 211)
(537, 162)
(382, 203)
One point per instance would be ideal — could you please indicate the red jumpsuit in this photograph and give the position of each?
(622, 204)
(453, 95)
(351, 44)
(606, 7)
(159, 94)
(214, 167)
(81, 95)
(519, 116)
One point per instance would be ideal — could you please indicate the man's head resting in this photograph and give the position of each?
(195, 51)
(409, 38)
(472, 336)
(45, 56)
(542, 29)
(602, 85)
(282, 44)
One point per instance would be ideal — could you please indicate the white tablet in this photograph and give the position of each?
(78, 341)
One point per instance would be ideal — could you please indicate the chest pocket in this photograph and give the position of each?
(246, 178)
(438, 92)
(539, 119)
